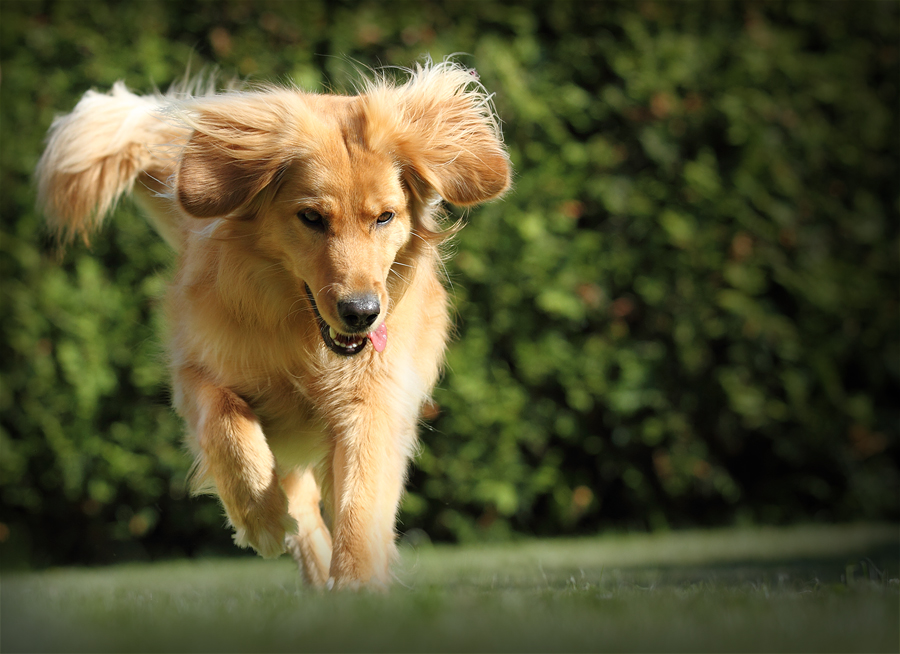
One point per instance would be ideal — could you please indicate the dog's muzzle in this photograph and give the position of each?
(358, 313)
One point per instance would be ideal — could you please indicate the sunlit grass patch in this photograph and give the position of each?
(729, 590)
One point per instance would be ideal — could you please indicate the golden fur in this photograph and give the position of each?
(306, 234)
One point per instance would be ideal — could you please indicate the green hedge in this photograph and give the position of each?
(685, 313)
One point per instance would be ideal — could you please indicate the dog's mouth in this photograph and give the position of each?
(347, 345)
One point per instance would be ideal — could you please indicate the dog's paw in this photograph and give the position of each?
(357, 574)
(267, 539)
(377, 586)
(263, 523)
(311, 556)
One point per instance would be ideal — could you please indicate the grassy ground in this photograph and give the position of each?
(800, 589)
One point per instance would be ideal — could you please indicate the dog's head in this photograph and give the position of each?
(340, 190)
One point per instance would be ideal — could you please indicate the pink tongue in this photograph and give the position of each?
(379, 337)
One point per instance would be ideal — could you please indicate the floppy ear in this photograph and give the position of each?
(233, 154)
(448, 135)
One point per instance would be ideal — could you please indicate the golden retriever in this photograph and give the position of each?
(307, 316)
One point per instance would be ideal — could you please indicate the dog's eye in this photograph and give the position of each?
(312, 218)
(385, 218)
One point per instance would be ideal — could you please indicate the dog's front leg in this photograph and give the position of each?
(234, 457)
(369, 467)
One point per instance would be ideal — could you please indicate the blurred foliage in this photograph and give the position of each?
(685, 313)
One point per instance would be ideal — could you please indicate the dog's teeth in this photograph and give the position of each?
(340, 340)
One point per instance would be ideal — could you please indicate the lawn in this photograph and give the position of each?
(813, 588)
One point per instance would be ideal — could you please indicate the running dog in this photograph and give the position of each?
(307, 316)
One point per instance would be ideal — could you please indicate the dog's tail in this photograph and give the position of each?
(95, 154)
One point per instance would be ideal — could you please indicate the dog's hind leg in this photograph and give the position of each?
(311, 545)
(234, 458)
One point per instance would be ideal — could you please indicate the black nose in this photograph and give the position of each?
(359, 311)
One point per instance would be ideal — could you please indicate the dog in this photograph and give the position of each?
(307, 315)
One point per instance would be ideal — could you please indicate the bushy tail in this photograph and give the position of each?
(95, 154)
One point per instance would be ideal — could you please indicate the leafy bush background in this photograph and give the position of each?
(686, 313)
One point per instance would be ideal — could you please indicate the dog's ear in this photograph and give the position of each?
(233, 154)
(448, 135)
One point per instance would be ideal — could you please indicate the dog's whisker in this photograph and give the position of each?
(291, 312)
(439, 258)
(394, 272)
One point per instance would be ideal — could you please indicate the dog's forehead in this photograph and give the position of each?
(353, 178)
(330, 166)
(335, 162)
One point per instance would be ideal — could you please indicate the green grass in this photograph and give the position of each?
(798, 589)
